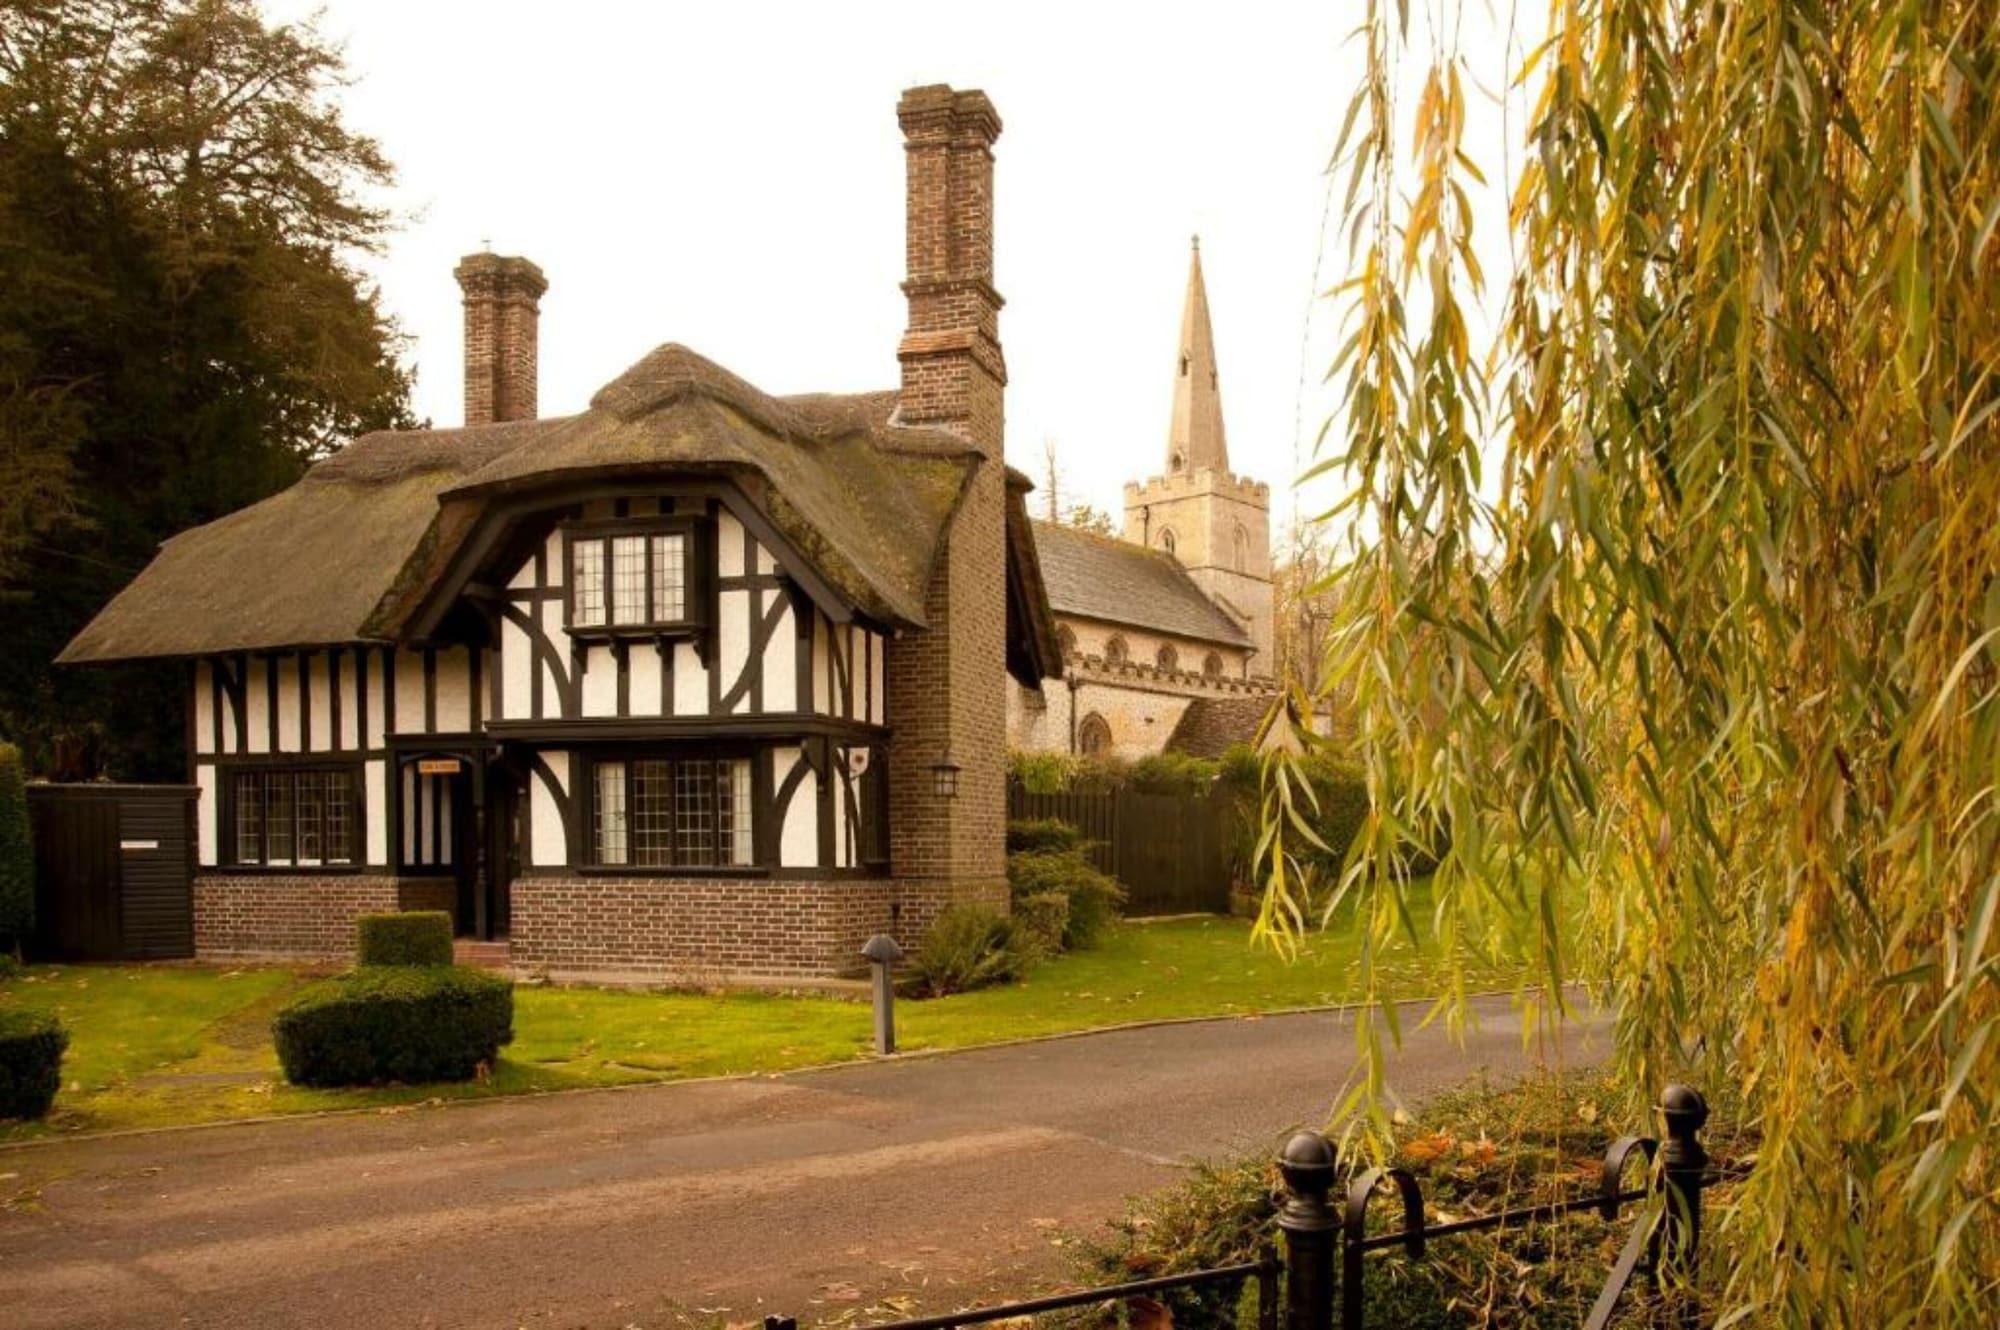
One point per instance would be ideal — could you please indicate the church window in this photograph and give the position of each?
(1066, 642)
(1093, 736)
(1242, 549)
(1167, 658)
(1115, 651)
(1211, 667)
(1167, 539)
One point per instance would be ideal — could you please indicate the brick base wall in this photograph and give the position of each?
(682, 929)
(271, 917)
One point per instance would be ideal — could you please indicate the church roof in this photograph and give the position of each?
(1212, 725)
(1195, 439)
(1100, 577)
(344, 554)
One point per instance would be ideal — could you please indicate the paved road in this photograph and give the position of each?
(932, 1179)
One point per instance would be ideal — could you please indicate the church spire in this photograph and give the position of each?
(1194, 438)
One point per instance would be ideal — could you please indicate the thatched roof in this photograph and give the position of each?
(1099, 577)
(347, 553)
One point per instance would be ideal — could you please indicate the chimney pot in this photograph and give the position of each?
(503, 296)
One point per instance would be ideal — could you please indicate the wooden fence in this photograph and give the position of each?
(1170, 850)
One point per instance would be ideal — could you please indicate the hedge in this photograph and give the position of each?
(411, 937)
(17, 854)
(31, 1051)
(967, 947)
(1093, 897)
(395, 1023)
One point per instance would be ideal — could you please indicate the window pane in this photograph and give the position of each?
(339, 817)
(587, 583)
(278, 817)
(628, 579)
(249, 817)
(669, 578)
(311, 812)
(694, 812)
(609, 813)
(652, 814)
(733, 812)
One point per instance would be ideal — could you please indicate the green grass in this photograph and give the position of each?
(153, 1045)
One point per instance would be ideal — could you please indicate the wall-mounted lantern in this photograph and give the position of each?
(944, 776)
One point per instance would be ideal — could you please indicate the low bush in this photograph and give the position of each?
(1093, 897)
(31, 1052)
(1173, 773)
(411, 937)
(395, 1023)
(1046, 833)
(1040, 922)
(966, 947)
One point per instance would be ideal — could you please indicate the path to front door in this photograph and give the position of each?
(935, 1179)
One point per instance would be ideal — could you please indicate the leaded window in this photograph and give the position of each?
(673, 813)
(284, 817)
(624, 575)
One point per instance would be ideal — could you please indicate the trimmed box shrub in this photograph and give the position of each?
(31, 1052)
(1034, 835)
(410, 937)
(966, 947)
(1040, 921)
(395, 1023)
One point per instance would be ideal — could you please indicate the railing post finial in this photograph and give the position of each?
(1684, 1165)
(1309, 1223)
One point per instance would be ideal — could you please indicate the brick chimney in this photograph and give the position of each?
(953, 371)
(945, 682)
(502, 308)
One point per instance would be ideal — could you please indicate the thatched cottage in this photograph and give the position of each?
(697, 680)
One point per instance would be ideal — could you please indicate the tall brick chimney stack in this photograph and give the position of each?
(945, 683)
(953, 371)
(503, 297)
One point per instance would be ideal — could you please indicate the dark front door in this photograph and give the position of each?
(506, 805)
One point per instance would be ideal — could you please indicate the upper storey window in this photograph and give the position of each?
(630, 575)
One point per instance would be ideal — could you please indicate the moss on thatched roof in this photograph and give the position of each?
(348, 552)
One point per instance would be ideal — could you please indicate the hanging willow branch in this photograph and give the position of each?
(1707, 691)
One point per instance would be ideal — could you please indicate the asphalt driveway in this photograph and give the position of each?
(922, 1183)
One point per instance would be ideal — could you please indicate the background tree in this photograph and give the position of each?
(17, 856)
(181, 325)
(1715, 655)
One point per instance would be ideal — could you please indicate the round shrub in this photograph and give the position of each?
(410, 937)
(31, 1050)
(1042, 833)
(395, 1023)
(966, 947)
(1094, 897)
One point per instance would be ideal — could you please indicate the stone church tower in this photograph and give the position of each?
(1216, 523)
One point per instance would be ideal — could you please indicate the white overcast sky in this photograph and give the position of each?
(731, 177)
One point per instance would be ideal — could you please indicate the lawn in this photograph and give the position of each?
(153, 1045)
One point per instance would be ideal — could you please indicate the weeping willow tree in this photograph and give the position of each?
(1670, 620)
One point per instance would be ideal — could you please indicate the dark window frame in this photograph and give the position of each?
(227, 844)
(696, 560)
(584, 852)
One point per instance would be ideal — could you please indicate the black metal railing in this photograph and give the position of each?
(1326, 1249)
(1264, 1270)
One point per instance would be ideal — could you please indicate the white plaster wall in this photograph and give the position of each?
(257, 708)
(409, 717)
(644, 663)
(551, 848)
(733, 639)
(798, 839)
(599, 694)
(319, 684)
(375, 787)
(206, 807)
(454, 690)
(204, 707)
(690, 682)
(781, 664)
(516, 663)
(378, 706)
(287, 670)
(728, 544)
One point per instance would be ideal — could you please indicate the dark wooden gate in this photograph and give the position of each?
(1170, 850)
(114, 871)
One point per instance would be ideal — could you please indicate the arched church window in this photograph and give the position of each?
(1242, 549)
(1211, 667)
(1167, 658)
(1177, 463)
(1093, 736)
(1065, 642)
(1167, 539)
(1116, 652)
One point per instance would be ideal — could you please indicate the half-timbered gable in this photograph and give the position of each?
(690, 676)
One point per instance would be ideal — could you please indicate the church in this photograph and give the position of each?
(1166, 630)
